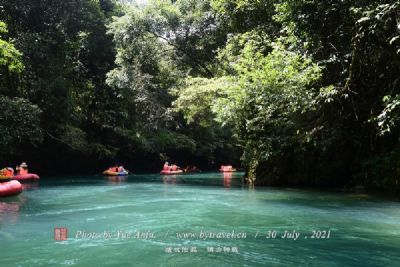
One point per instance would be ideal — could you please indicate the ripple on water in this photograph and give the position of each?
(364, 231)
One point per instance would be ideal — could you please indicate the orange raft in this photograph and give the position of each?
(113, 173)
(227, 168)
(10, 188)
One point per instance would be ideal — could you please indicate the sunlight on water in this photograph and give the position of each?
(205, 219)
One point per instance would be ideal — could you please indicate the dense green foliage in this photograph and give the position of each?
(19, 122)
(102, 84)
(9, 55)
(312, 92)
(19, 119)
(66, 54)
(307, 92)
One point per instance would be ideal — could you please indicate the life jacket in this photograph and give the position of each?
(3, 174)
(9, 173)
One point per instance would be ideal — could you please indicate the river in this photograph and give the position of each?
(207, 219)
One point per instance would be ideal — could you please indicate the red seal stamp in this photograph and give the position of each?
(60, 233)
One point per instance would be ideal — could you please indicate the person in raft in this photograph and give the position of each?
(6, 174)
(172, 167)
(10, 172)
(226, 167)
(166, 166)
(121, 169)
(22, 169)
(114, 169)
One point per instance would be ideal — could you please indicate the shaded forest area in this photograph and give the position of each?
(301, 93)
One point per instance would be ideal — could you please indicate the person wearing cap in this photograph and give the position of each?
(23, 169)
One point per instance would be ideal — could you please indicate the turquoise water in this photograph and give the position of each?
(193, 220)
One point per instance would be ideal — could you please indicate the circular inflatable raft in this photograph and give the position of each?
(26, 177)
(171, 172)
(111, 173)
(10, 188)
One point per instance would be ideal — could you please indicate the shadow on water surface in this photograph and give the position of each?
(10, 208)
(203, 179)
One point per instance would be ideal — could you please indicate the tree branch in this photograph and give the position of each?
(204, 67)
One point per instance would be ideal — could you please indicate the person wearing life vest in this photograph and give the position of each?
(114, 169)
(166, 166)
(6, 174)
(10, 172)
(174, 167)
(23, 169)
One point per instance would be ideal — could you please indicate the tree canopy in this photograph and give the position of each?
(296, 92)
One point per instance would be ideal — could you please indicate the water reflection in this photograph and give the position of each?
(9, 209)
(227, 179)
(29, 186)
(169, 179)
(116, 179)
